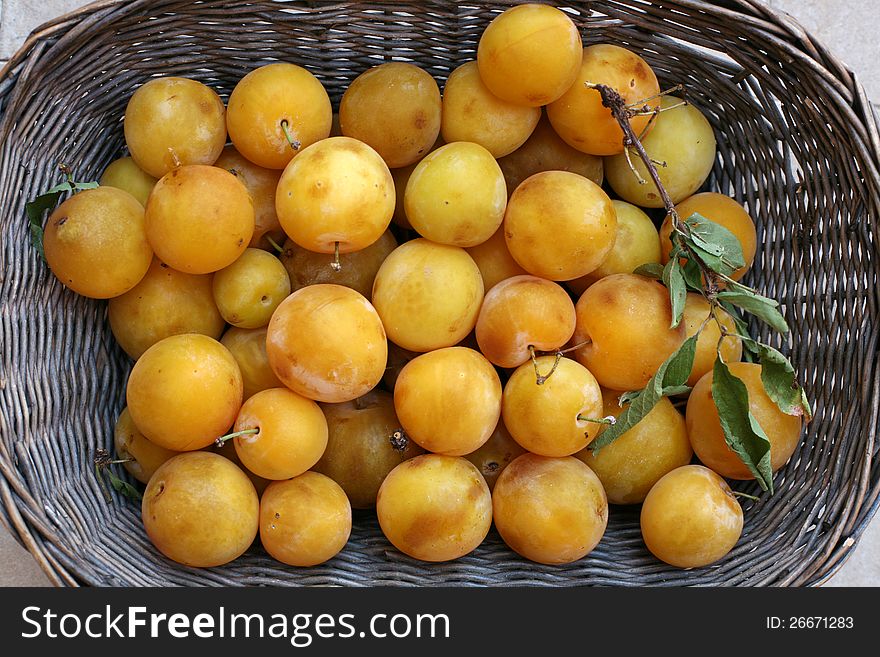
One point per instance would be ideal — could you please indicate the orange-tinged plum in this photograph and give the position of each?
(435, 508)
(184, 392)
(428, 295)
(142, 458)
(199, 219)
(249, 290)
(473, 113)
(544, 150)
(304, 521)
(291, 434)
(456, 195)
(337, 193)
(448, 400)
(636, 460)
(171, 122)
(124, 174)
(494, 260)
(707, 436)
(724, 211)
(552, 418)
(579, 116)
(625, 320)
(201, 510)
(553, 204)
(248, 347)
(496, 454)
(95, 243)
(395, 108)
(272, 105)
(358, 271)
(327, 343)
(227, 451)
(364, 444)
(690, 518)
(261, 184)
(635, 244)
(522, 312)
(683, 139)
(696, 310)
(530, 55)
(549, 510)
(166, 302)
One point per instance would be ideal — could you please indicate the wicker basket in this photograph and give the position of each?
(798, 143)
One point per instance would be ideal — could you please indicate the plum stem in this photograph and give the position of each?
(295, 144)
(541, 379)
(737, 493)
(244, 432)
(608, 419)
(336, 265)
(274, 244)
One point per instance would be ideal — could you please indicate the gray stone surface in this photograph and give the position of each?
(846, 26)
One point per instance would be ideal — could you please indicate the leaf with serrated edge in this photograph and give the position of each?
(650, 270)
(761, 307)
(778, 377)
(742, 433)
(671, 376)
(715, 239)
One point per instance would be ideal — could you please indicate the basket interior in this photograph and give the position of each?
(790, 149)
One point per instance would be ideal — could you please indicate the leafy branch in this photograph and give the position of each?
(46, 201)
(103, 461)
(704, 258)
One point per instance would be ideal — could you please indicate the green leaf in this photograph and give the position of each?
(650, 270)
(692, 275)
(720, 247)
(778, 377)
(669, 379)
(47, 201)
(674, 281)
(742, 433)
(761, 307)
(123, 487)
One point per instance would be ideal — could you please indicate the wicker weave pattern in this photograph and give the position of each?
(797, 143)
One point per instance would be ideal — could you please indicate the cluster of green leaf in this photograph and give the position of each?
(704, 257)
(47, 201)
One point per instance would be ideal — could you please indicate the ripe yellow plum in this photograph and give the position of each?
(448, 400)
(691, 518)
(291, 434)
(227, 451)
(358, 268)
(552, 418)
(327, 343)
(494, 260)
(199, 219)
(552, 204)
(696, 311)
(248, 347)
(546, 151)
(184, 392)
(707, 437)
(530, 55)
(130, 443)
(304, 521)
(522, 312)
(428, 295)
(637, 243)
(261, 184)
(275, 112)
(683, 139)
(724, 211)
(496, 454)
(636, 460)
(201, 510)
(434, 507)
(171, 122)
(364, 444)
(249, 290)
(124, 174)
(579, 116)
(456, 195)
(166, 302)
(95, 243)
(625, 318)
(550, 510)
(472, 113)
(337, 194)
(395, 108)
